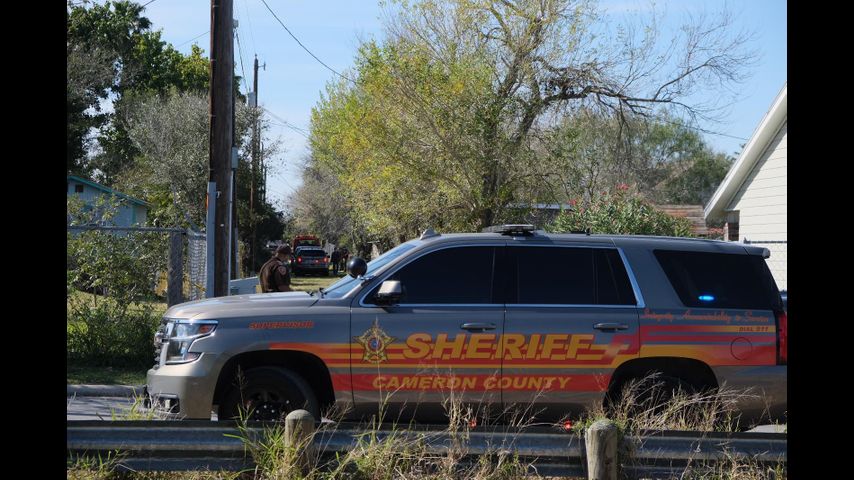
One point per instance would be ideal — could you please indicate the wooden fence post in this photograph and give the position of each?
(601, 441)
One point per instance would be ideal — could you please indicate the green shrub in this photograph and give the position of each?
(110, 333)
(621, 212)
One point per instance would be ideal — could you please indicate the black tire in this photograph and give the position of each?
(268, 393)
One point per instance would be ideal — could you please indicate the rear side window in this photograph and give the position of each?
(461, 275)
(720, 280)
(570, 276)
(612, 281)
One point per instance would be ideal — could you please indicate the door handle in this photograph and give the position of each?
(477, 327)
(611, 326)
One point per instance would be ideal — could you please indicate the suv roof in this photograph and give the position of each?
(648, 241)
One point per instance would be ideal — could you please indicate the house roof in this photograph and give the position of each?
(108, 190)
(762, 136)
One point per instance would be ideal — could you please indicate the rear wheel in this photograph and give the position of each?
(650, 393)
(268, 393)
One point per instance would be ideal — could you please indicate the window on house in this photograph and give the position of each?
(78, 188)
(731, 226)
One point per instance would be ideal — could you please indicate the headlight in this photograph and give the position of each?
(181, 334)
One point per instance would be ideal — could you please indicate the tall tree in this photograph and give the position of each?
(116, 37)
(445, 116)
(667, 161)
(170, 131)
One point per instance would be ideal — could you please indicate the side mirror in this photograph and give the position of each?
(357, 267)
(389, 293)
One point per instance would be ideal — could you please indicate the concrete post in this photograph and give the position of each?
(601, 441)
(299, 435)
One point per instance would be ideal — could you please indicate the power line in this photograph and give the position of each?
(150, 2)
(251, 33)
(296, 129)
(286, 123)
(303, 46)
(240, 54)
(190, 40)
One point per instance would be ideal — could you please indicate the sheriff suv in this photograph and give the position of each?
(555, 322)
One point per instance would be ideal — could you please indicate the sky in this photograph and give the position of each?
(292, 81)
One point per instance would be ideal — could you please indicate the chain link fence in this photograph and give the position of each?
(196, 265)
(155, 263)
(777, 262)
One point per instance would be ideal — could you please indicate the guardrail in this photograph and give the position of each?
(197, 445)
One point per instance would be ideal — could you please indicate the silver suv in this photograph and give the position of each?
(555, 322)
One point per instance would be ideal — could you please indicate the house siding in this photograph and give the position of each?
(128, 214)
(761, 203)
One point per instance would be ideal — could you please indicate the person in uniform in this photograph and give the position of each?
(345, 255)
(336, 260)
(275, 274)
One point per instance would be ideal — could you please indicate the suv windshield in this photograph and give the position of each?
(341, 287)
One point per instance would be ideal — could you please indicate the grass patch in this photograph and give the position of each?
(403, 454)
(85, 468)
(312, 283)
(82, 374)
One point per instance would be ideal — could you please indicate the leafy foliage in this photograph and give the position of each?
(668, 162)
(621, 213)
(110, 334)
(125, 266)
(112, 52)
(113, 329)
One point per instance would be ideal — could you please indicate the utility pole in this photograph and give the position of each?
(232, 218)
(255, 139)
(221, 110)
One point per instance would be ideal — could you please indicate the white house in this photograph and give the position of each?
(752, 199)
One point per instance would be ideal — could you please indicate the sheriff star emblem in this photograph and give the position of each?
(374, 341)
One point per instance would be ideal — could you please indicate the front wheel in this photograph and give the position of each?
(268, 393)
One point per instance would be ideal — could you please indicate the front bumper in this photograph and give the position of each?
(190, 385)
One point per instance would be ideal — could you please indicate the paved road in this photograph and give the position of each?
(96, 408)
(104, 408)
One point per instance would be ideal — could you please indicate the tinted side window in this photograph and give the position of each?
(555, 275)
(612, 282)
(572, 276)
(451, 275)
(720, 280)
